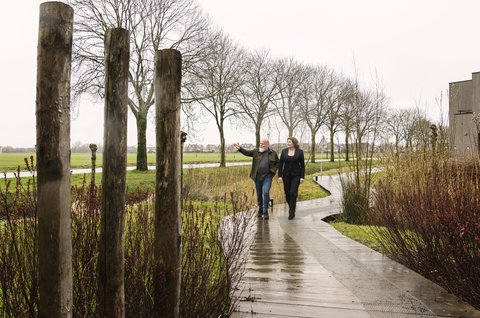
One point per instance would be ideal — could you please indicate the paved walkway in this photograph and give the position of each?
(305, 268)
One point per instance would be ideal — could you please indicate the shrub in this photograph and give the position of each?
(355, 204)
(432, 212)
(18, 250)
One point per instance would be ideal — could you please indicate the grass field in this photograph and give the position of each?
(10, 161)
(360, 233)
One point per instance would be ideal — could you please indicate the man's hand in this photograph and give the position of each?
(237, 145)
(280, 179)
(301, 180)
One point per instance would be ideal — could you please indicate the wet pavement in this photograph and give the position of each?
(305, 268)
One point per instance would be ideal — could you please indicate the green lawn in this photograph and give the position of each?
(360, 233)
(10, 161)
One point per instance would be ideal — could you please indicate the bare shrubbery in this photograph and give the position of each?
(213, 260)
(18, 250)
(430, 208)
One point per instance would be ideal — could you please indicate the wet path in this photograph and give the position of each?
(305, 268)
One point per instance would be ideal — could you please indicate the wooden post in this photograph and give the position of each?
(93, 149)
(54, 54)
(167, 245)
(183, 138)
(111, 291)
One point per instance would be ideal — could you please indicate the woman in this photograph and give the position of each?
(291, 171)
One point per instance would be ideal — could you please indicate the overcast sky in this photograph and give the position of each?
(416, 48)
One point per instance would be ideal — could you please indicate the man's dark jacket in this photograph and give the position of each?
(257, 157)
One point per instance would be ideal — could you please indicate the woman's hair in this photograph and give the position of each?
(295, 142)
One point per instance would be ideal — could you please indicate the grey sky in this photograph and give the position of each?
(416, 47)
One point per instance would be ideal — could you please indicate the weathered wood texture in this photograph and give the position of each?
(93, 149)
(111, 290)
(167, 245)
(53, 159)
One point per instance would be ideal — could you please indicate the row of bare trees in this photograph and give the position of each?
(252, 89)
(227, 83)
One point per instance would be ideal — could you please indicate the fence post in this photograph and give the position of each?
(167, 245)
(111, 290)
(54, 54)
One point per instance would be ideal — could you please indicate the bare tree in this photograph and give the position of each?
(258, 91)
(412, 129)
(420, 131)
(346, 113)
(395, 125)
(290, 77)
(367, 109)
(215, 82)
(153, 24)
(313, 104)
(367, 114)
(443, 122)
(334, 100)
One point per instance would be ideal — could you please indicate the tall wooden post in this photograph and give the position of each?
(167, 245)
(111, 290)
(53, 159)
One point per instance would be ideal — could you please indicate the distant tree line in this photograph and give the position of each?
(11, 149)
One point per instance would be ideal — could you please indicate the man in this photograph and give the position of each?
(264, 167)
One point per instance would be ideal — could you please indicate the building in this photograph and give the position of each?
(464, 117)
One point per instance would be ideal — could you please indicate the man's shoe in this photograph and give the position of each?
(265, 217)
(291, 216)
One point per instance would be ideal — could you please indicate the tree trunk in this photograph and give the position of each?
(332, 155)
(257, 136)
(111, 264)
(167, 244)
(222, 148)
(347, 152)
(312, 153)
(142, 160)
(53, 159)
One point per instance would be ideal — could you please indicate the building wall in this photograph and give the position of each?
(464, 102)
(476, 92)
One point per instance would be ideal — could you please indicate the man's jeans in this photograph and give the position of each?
(263, 194)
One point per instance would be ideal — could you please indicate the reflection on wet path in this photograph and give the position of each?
(275, 253)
